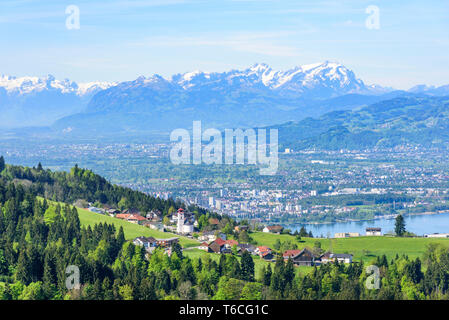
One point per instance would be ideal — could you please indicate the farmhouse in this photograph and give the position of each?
(247, 247)
(273, 229)
(167, 242)
(135, 218)
(147, 242)
(230, 243)
(211, 236)
(219, 246)
(204, 246)
(373, 231)
(304, 257)
(122, 216)
(332, 257)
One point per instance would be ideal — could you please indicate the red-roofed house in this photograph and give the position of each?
(218, 246)
(304, 257)
(261, 250)
(135, 218)
(204, 246)
(231, 243)
(122, 215)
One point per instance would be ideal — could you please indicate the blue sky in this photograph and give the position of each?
(121, 40)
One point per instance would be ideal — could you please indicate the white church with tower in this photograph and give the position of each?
(182, 226)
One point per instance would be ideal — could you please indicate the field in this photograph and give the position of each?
(362, 248)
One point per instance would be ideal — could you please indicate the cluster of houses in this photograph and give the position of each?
(306, 257)
(302, 257)
(223, 246)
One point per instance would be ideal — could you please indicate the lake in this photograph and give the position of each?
(418, 224)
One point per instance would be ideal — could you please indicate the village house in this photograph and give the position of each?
(304, 257)
(156, 225)
(247, 247)
(219, 246)
(346, 234)
(154, 215)
(147, 242)
(135, 218)
(264, 252)
(373, 231)
(167, 242)
(122, 216)
(273, 229)
(241, 228)
(96, 210)
(211, 236)
(112, 211)
(332, 257)
(204, 246)
(261, 249)
(268, 255)
(231, 243)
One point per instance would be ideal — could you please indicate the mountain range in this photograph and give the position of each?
(252, 97)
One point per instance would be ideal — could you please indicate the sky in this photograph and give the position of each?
(120, 40)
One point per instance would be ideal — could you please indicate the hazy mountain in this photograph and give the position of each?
(34, 101)
(414, 120)
(431, 90)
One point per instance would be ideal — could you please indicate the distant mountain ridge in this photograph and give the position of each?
(408, 120)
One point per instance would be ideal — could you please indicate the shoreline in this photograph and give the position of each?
(386, 217)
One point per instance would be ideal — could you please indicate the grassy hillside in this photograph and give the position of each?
(365, 248)
(131, 230)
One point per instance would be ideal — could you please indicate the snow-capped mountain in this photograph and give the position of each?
(39, 101)
(323, 80)
(27, 85)
(253, 96)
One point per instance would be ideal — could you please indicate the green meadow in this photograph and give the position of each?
(362, 248)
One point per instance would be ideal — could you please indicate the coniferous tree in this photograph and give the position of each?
(2, 163)
(399, 226)
(247, 266)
